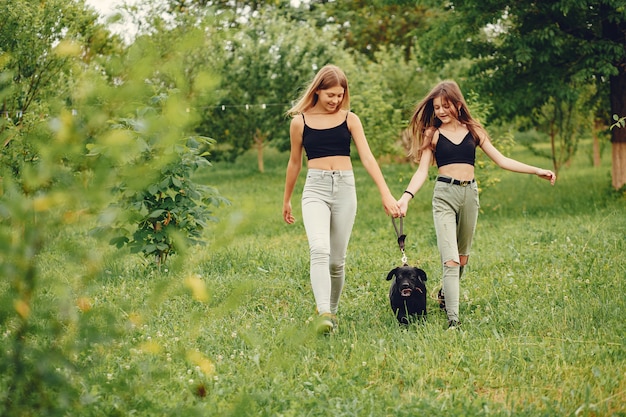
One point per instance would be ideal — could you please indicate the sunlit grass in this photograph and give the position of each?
(542, 308)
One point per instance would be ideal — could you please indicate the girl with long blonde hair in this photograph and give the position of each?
(323, 127)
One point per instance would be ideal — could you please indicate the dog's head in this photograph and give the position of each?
(408, 279)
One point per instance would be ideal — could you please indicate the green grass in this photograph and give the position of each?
(542, 306)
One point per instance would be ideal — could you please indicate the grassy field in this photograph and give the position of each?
(225, 330)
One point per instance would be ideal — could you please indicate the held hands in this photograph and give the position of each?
(391, 206)
(546, 174)
(403, 204)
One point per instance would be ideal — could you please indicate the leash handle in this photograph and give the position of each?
(401, 236)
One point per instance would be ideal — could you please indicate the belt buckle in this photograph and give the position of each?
(464, 183)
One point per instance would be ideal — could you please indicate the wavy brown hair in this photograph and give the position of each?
(424, 122)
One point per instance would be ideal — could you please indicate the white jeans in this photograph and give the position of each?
(328, 210)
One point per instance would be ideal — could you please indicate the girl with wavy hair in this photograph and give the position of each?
(444, 132)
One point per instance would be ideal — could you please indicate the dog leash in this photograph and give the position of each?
(401, 237)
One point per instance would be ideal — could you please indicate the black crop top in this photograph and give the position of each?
(319, 143)
(447, 152)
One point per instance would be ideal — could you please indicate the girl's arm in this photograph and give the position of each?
(370, 164)
(293, 166)
(418, 179)
(513, 165)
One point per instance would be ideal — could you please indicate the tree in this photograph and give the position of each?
(526, 53)
(383, 93)
(82, 147)
(42, 45)
(159, 207)
(37, 45)
(368, 26)
(264, 66)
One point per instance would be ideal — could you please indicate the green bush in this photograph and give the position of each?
(173, 209)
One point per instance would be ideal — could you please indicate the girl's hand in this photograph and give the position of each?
(287, 216)
(403, 205)
(391, 206)
(546, 174)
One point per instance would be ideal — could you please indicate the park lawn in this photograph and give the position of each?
(225, 328)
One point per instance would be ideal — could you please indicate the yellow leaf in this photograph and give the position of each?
(42, 204)
(135, 319)
(118, 138)
(83, 304)
(151, 346)
(68, 48)
(197, 287)
(205, 364)
(22, 308)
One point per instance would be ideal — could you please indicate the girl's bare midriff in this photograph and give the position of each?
(331, 163)
(461, 172)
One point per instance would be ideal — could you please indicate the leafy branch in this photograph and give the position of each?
(620, 122)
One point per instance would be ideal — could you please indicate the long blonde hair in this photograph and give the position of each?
(424, 122)
(327, 77)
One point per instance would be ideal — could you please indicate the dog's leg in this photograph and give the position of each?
(399, 310)
(402, 315)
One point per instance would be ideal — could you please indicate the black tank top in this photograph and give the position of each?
(319, 143)
(447, 152)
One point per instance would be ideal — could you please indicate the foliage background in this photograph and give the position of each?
(223, 328)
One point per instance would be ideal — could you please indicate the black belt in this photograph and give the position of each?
(456, 182)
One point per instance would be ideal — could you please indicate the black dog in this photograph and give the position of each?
(407, 294)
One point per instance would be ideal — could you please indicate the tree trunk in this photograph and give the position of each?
(618, 172)
(555, 164)
(259, 139)
(618, 134)
(616, 30)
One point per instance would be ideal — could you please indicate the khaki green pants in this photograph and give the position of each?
(455, 212)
